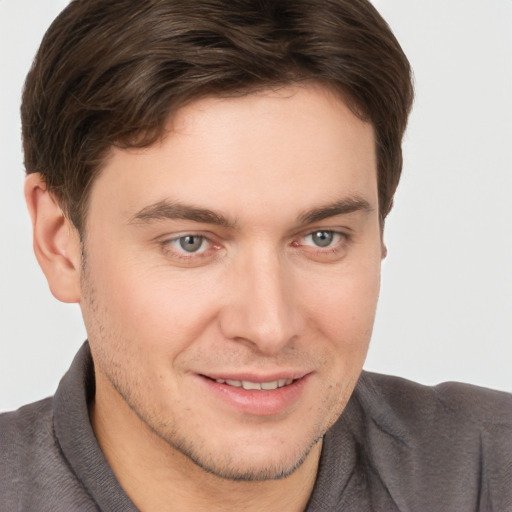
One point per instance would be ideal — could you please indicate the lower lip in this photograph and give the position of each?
(256, 402)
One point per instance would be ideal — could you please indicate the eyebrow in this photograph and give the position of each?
(168, 210)
(341, 207)
(164, 210)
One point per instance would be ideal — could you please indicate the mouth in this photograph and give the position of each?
(258, 396)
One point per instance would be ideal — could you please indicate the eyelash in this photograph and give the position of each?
(341, 239)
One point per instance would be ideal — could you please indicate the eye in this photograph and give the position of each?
(322, 238)
(189, 243)
(190, 249)
(323, 245)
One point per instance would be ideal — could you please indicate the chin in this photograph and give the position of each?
(247, 467)
(244, 461)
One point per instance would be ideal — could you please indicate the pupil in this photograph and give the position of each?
(191, 243)
(322, 238)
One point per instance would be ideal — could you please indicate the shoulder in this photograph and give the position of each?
(447, 446)
(24, 432)
(415, 404)
(34, 475)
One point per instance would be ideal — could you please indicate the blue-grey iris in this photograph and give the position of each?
(191, 243)
(322, 238)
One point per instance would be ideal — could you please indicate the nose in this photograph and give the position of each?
(261, 309)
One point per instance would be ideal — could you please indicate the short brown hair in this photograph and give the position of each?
(111, 72)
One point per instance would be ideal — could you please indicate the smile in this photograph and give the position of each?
(260, 386)
(257, 395)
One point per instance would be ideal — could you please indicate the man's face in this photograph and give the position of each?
(241, 252)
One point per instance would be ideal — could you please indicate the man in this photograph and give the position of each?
(209, 180)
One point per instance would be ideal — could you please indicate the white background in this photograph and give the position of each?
(445, 311)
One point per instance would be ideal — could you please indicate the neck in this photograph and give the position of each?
(157, 477)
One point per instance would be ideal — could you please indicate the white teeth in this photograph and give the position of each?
(265, 386)
(250, 385)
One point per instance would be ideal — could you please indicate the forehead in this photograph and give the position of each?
(296, 144)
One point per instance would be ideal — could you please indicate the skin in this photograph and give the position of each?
(257, 296)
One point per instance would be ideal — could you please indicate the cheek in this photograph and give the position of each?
(343, 306)
(158, 307)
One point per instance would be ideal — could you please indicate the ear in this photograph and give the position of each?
(56, 241)
(383, 251)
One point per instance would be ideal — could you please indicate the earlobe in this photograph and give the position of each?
(56, 241)
(384, 251)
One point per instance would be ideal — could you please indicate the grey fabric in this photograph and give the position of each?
(50, 460)
(398, 446)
